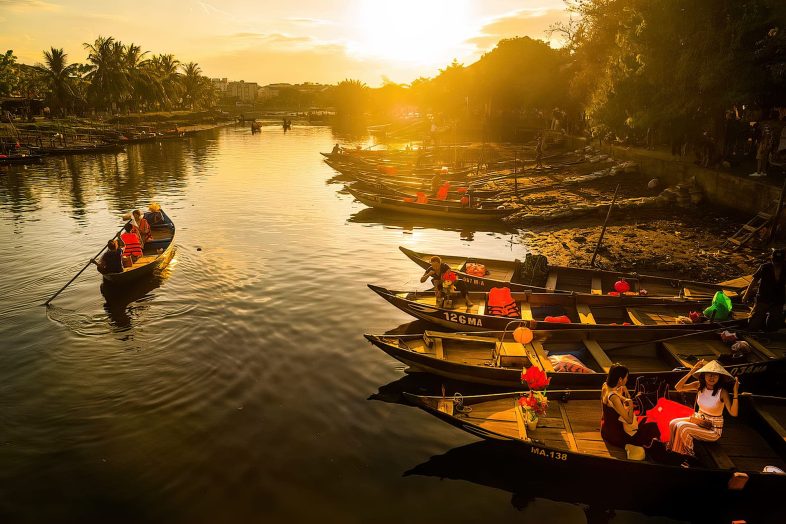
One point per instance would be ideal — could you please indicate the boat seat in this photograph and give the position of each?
(597, 287)
(545, 363)
(522, 427)
(758, 347)
(551, 281)
(713, 454)
(512, 355)
(585, 314)
(526, 310)
(771, 421)
(439, 352)
(598, 354)
(687, 352)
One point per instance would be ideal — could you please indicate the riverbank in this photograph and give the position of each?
(663, 225)
(74, 135)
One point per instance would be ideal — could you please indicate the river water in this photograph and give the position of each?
(236, 386)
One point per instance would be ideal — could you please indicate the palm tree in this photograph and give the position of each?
(109, 85)
(58, 77)
(191, 83)
(165, 67)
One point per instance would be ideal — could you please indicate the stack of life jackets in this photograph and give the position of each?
(501, 303)
(132, 245)
(476, 270)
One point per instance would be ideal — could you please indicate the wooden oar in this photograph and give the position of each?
(86, 265)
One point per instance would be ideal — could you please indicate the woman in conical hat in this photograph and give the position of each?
(712, 396)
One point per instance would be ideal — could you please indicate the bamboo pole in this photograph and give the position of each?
(82, 270)
(603, 231)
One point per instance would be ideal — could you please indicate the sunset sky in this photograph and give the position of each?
(293, 41)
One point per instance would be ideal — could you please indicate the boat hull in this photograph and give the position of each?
(459, 320)
(430, 210)
(160, 261)
(577, 280)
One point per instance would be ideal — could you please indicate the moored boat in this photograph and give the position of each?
(434, 208)
(20, 159)
(580, 359)
(556, 311)
(156, 254)
(518, 276)
(748, 459)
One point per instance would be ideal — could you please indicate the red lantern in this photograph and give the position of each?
(621, 286)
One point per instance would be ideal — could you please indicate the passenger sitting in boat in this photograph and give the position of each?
(336, 149)
(770, 297)
(154, 215)
(132, 247)
(142, 228)
(712, 396)
(111, 261)
(438, 271)
(617, 423)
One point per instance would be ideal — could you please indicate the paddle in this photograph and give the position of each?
(82, 270)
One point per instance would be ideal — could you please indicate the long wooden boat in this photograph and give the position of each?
(435, 208)
(510, 273)
(400, 192)
(19, 159)
(567, 440)
(496, 359)
(157, 253)
(84, 150)
(584, 311)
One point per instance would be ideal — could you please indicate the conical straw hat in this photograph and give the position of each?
(714, 367)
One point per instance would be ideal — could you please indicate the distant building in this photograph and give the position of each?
(242, 91)
(220, 84)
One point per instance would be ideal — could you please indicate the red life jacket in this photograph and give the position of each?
(501, 303)
(442, 192)
(132, 246)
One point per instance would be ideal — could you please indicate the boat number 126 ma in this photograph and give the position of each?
(463, 319)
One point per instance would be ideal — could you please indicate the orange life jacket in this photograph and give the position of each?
(501, 303)
(442, 192)
(422, 198)
(132, 246)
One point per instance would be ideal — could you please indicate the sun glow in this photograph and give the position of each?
(427, 32)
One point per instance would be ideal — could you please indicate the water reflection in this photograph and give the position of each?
(410, 224)
(499, 465)
(127, 302)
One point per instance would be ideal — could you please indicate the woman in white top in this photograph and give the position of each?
(711, 398)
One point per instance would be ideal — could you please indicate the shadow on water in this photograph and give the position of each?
(126, 302)
(124, 305)
(409, 224)
(498, 465)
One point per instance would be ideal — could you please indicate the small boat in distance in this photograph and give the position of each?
(511, 273)
(157, 253)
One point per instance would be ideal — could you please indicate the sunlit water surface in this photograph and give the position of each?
(235, 385)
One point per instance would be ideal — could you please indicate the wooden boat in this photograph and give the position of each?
(19, 159)
(396, 191)
(509, 273)
(496, 359)
(84, 150)
(434, 208)
(584, 311)
(567, 440)
(157, 253)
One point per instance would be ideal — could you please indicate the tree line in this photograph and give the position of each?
(115, 77)
(629, 68)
